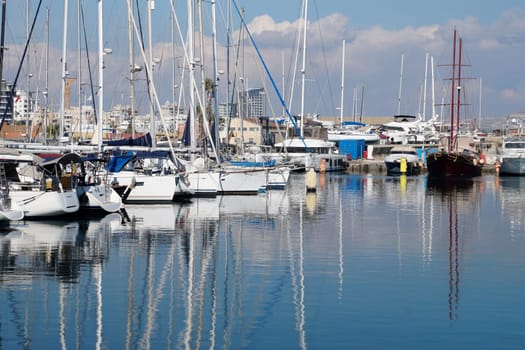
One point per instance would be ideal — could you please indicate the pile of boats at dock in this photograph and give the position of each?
(42, 183)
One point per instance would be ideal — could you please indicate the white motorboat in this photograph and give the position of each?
(409, 129)
(353, 131)
(512, 151)
(403, 160)
(305, 153)
(512, 155)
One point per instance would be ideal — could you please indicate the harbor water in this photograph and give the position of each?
(364, 262)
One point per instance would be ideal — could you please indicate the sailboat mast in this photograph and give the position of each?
(191, 54)
(2, 41)
(400, 84)
(341, 108)
(100, 113)
(153, 126)
(303, 69)
(64, 71)
(433, 87)
(131, 43)
(216, 77)
(79, 60)
(425, 89)
(46, 91)
(458, 106)
(453, 93)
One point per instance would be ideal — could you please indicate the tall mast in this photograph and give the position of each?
(341, 107)
(100, 113)
(132, 68)
(433, 87)
(46, 91)
(153, 127)
(2, 41)
(216, 77)
(400, 84)
(64, 71)
(79, 60)
(453, 93)
(303, 69)
(191, 53)
(458, 106)
(425, 89)
(204, 96)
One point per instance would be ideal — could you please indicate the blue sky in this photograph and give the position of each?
(377, 33)
(386, 13)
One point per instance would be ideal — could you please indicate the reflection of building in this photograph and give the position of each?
(253, 103)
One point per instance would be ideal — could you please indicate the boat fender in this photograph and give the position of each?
(49, 184)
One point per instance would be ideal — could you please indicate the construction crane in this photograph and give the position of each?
(66, 91)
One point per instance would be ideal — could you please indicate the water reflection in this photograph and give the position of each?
(512, 192)
(53, 248)
(282, 269)
(455, 195)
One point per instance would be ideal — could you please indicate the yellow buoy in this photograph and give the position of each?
(403, 166)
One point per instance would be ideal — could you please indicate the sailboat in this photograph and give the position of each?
(452, 162)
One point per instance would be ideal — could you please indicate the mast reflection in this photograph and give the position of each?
(455, 194)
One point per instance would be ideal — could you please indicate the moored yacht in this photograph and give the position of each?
(403, 160)
(40, 191)
(319, 154)
(512, 151)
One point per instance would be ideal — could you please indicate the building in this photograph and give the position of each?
(253, 103)
(241, 130)
(6, 97)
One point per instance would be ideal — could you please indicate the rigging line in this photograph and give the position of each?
(298, 35)
(9, 100)
(89, 65)
(143, 47)
(195, 87)
(270, 76)
(330, 94)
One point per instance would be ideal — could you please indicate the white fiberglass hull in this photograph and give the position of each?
(99, 197)
(10, 210)
(151, 188)
(512, 165)
(46, 203)
(241, 180)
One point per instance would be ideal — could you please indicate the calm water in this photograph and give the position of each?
(365, 263)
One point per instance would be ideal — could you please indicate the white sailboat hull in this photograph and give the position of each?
(46, 203)
(99, 197)
(151, 188)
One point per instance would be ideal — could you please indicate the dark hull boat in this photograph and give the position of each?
(464, 164)
(451, 162)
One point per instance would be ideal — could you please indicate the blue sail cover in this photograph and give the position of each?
(118, 161)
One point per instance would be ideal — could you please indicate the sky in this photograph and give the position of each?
(378, 33)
